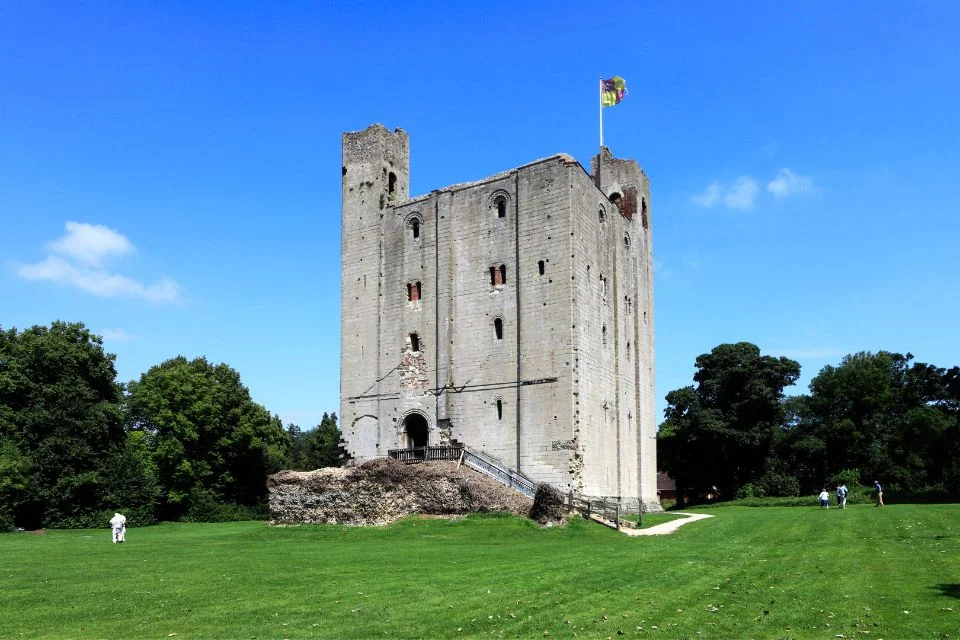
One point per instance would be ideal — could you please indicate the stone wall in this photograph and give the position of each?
(383, 491)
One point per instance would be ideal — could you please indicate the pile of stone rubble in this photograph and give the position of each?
(382, 491)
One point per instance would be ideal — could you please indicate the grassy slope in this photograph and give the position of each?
(767, 573)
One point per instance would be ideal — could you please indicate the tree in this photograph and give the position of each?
(722, 431)
(210, 442)
(60, 422)
(317, 448)
(883, 416)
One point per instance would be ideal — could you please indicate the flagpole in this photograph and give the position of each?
(600, 95)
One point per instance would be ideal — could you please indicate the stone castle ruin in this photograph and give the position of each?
(512, 315)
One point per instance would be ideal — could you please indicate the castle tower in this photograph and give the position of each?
(628, 188)
(513, 314)
(375, 174)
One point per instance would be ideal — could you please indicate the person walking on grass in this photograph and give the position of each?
(118, 523)
(842, 496)
(824, 499)
(878, 493)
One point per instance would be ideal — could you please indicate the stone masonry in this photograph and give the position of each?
(513, 315)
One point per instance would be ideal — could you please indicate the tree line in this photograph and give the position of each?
(185, 441)
(875, 416)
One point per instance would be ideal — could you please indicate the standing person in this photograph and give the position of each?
(842, 496)
(118, 523)
(878, 493)
(824, 499)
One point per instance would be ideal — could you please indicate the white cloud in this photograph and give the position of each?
(116, 335)
(91, 244)
(711, 196)
(740, 194)
(78, 259)
(788, 183)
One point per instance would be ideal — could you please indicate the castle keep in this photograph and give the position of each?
(513, 315)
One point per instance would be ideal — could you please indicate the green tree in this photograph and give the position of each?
(884, 416)
(316, 448)
(211, 443)
(722, 431)
(61, 421)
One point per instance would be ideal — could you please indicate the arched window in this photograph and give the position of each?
(499, 409)
(540, 266)
(414, 342)
(392, 185)
(501, 207)
(602, 214)
(415, 225)
(498, 328)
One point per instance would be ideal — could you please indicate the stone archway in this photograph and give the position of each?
(416, 430)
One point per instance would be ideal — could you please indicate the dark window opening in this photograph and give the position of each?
(615, 198)
(416, 228)
(643, 213)
(503, 274)
(414, 342)
(626, 240)
(540, 266)
(344, 171)
(499, 409)
(392, 185)
(498, 328)
(493, 276)
(501, 207)
(603, 214)
(604, 332)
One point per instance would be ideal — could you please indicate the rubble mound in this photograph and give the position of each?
(382, 491)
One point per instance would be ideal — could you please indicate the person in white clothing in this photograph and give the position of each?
(824, 499)
(119, 525)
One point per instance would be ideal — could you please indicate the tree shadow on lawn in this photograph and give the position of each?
(952, 590)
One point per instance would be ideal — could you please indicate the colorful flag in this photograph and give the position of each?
(612, 91)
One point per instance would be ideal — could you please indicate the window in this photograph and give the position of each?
(501, 207)
(499, 409)
(604, 335)
(414, 342)
(602, 214)
(392, 186)
(540, 266)
(498, 275)
(415, 225)
(626, 240)
(643, 213)
(498, 328)
(413, 291)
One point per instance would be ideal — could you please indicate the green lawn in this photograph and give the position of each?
(762, 573)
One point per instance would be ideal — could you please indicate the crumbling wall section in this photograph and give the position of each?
(382, 491)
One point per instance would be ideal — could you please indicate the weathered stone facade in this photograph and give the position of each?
(513, 314)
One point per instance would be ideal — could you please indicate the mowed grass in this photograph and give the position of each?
(746, 573)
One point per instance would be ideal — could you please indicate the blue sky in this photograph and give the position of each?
(169, 173)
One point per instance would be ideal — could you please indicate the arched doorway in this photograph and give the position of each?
(417, 431)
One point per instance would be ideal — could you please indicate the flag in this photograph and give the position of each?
(612, 91)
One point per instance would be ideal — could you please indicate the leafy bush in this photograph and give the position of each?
(204, 507)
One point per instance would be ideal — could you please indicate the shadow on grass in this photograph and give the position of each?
(952, 590)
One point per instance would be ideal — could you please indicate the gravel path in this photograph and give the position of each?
(667, 527)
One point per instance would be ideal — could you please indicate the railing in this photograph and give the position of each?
(498, 471)
(487, 465)
(606, 511)
(425, 454)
